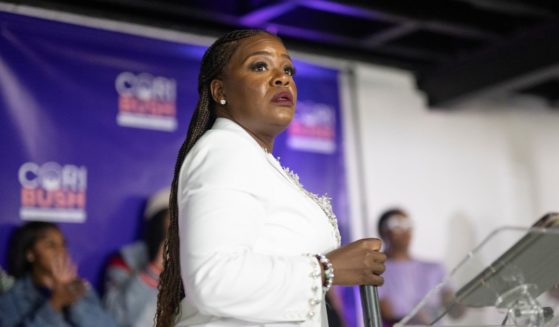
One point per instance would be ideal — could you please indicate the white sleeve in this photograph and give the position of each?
(220, 216)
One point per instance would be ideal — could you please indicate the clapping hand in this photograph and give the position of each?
(67, 287)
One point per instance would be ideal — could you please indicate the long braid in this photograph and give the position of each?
(216, 57)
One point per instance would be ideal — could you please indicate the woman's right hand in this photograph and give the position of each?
(358, 263)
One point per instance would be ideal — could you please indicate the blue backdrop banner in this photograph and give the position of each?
(91, 122)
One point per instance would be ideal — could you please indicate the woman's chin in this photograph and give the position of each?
(284, 116)
(283, 122)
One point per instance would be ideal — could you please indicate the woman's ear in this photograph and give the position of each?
(216, 87)
(30, 257)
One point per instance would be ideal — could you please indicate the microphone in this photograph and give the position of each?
(371, 307)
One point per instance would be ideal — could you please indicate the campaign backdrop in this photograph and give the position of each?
(91, 122)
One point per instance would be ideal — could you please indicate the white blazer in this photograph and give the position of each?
(246, 232)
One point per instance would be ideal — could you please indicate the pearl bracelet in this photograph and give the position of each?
(328, 272)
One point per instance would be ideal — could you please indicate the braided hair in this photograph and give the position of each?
(216, 57)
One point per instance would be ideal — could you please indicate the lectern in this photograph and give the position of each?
(504, 281)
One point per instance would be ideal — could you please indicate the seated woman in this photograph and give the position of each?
(47, 291)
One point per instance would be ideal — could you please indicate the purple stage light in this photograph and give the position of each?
(263, 15)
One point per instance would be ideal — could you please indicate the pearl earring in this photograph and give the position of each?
(223, 102)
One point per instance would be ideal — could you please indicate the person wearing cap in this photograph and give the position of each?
(407, 279)
(132, 276)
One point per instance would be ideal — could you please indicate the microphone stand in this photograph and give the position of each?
(371, 307)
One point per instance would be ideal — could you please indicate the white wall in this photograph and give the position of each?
(458, 173)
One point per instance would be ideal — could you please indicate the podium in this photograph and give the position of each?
(504, 281)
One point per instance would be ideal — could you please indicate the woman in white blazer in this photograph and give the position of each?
(247, 244)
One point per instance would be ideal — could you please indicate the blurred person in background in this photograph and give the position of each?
(132, 276)
(407, 279)
(48, 290)
(6, 281)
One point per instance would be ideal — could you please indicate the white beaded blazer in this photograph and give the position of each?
(246, 232)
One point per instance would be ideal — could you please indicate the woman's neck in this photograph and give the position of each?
(267, 145)
(266, 142)
(398, 255)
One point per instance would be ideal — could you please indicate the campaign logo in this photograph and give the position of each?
(313, 128)
(53, 192)
(146, 101)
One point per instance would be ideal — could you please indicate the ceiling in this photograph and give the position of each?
(456, 48)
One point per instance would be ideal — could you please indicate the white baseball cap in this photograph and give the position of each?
(157, 202)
